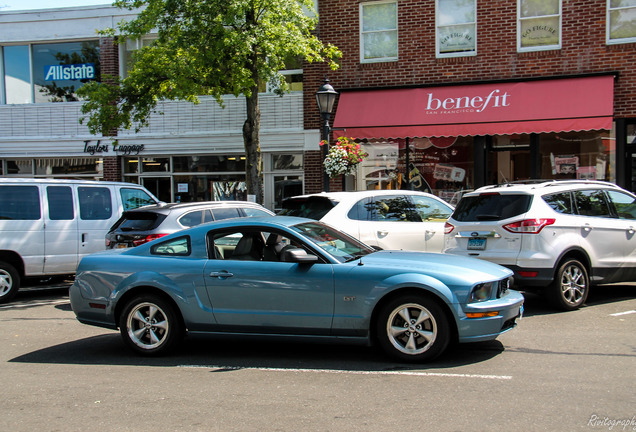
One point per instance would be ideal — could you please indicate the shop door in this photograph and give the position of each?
(160, 187)
(508, 165)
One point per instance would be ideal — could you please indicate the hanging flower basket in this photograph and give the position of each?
(343, 157)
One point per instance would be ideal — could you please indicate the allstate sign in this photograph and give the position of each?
(69, 72)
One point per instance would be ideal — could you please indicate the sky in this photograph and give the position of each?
(13, 5)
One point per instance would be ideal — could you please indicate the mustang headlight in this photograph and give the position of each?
(481, 292)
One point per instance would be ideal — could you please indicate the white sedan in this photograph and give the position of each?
(384, 219)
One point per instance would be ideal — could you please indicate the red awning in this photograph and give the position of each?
(558, 105)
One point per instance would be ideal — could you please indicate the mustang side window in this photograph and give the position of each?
(179, 246)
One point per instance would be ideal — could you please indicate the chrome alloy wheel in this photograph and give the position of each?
(411, 328)
(573, 284)
(147, 326)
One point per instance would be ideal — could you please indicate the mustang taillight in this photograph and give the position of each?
(448, 228)
(149, 237)
(528, 226)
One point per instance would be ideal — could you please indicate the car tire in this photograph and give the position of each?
(570, 287)
(9, 282)
(149, 325)
(413, 328)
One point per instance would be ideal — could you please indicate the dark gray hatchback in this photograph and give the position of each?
(136, 227)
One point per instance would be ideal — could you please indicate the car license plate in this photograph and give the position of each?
(476, 243)
(121, 245)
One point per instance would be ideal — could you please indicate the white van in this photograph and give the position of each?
(47, 226)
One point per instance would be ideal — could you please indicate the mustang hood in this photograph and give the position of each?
(441, 266)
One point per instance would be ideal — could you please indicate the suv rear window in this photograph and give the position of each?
(309, 207)
(491, 207)
(139, 221)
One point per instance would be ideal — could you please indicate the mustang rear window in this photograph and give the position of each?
(491, 207)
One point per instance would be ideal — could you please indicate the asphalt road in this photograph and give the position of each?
(554, 372)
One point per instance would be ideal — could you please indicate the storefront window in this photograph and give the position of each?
(19, 167)
(210, 188)
(209, 163)
(562, 156)
(442, 166)
(131, 165)
(17, 79)
(68, 167)
(59, 69)
(578, 155)
(287, 162)
(155, 165)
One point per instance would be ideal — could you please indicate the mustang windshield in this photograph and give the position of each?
(335, 243)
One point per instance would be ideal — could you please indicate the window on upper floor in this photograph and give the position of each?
(538, 25)
(50, 72)
(621, 21)
(456, 27)
(127, 49)
(293, 75)
(378, 31)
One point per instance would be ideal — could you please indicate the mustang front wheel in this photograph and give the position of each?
(413, 328)
(150, 326)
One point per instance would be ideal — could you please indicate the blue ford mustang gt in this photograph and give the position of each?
(295, 277)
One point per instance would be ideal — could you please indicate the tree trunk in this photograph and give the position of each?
(251, 140)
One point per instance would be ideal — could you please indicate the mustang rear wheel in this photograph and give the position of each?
(150, 326)
(9, 282)
(413, 328)
(570, 287)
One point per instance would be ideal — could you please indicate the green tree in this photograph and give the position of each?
(206, 47)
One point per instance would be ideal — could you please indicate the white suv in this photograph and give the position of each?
(558, 235)
(383, 219)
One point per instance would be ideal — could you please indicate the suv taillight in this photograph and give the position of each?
(528, 226)
(448, 228)
(149, 237)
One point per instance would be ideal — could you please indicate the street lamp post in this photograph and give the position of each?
(325, 96)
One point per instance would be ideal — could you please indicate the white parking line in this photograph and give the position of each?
(624, 313)
(349, 372)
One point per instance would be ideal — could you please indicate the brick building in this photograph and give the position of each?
(469, 92)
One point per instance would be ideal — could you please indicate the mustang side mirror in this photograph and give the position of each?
(298, 255)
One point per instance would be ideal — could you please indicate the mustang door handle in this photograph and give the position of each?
(221, 274)
(383, 233)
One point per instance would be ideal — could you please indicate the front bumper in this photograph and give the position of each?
(509, 310)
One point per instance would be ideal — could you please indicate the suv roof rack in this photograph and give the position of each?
(551, 182)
